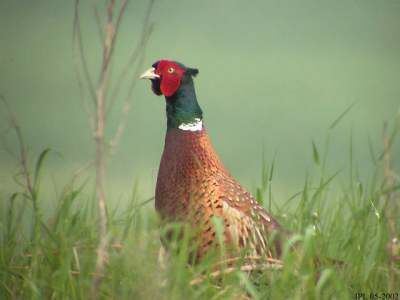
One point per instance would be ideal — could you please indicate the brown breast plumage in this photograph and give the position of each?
(193, 186)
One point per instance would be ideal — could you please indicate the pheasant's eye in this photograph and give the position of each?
(171, 70)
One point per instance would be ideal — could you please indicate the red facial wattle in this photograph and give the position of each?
(170, 77)
(169, 86)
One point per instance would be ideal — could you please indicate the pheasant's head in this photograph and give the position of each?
(167, 76)
(174, 81)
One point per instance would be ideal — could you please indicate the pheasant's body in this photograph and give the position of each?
(193, 186)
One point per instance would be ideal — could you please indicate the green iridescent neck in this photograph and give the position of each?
(182, 107)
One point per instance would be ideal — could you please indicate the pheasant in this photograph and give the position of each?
(193, 186)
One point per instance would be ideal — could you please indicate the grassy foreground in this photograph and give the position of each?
(53, 257)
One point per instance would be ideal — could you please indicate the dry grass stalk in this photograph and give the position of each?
(102, 249)
(28, 182)
(23, 157)
(98, 119)
(244, 268)
(136, 58)
(101, 101)
(391, 208)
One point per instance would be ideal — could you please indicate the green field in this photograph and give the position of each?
(53, 257)
(295, 98)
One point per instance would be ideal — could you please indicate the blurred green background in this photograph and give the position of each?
(273, 77)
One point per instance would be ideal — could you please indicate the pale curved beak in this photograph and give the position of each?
(149, 74)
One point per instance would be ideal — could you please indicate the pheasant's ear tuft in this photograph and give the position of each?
(192, 71)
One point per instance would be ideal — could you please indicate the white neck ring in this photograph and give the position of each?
(196, 125)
